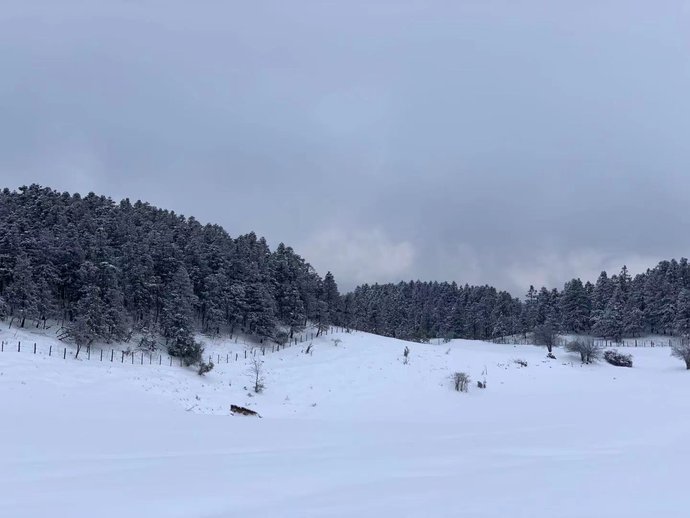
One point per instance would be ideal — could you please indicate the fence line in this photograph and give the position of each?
(626, 342)
(142, 357)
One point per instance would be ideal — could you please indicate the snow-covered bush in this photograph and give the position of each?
(461, 380)
(618, 359)
(282, 337)
(681, 349)
(205, 367)
(186, 348)
(587, 348)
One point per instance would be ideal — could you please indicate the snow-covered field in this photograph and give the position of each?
(346, 431)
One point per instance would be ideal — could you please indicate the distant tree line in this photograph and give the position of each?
(103, 269)
(657, 302)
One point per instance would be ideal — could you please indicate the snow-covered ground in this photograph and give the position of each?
(346, 431)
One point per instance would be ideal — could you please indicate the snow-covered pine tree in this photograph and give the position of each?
(22, 293)
(681, 323)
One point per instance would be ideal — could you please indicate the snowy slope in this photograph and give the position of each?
(347, 431)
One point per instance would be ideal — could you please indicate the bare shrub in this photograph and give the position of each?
(406, 355)
(256, 369)
(681, 349)
(461, 380)
(520, 362)
(148, 342)
(336, 341)
(618, 359)
(587, 348)
(545, 334)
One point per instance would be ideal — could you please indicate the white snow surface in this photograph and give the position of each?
(348, 431)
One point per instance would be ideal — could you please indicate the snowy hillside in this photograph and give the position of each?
(347, 430)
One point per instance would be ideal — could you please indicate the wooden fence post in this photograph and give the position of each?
(64, 353)
(19, 347)
(235, 356)
(50, 351)
(34, 347)
(112, 353)
(122, 360)
(101, 354)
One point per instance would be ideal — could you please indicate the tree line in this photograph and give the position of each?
(654, 302)
(104, 270)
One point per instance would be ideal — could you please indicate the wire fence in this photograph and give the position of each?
(148, 357)
(625, 342)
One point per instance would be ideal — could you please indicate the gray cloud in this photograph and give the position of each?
(486, 142)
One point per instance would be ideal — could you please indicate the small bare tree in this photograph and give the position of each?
(461, 380)
(587, 348)
(545, 334)
(256, 369)
(336, 341)
(681, 349)
(406, 355)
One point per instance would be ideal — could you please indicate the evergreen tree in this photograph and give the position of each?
(331, 297)
(21, 295)
(530, 309)
(575, 307)
(609, 322)
(681, 322)
(177, 318)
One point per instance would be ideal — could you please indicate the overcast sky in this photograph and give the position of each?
(502, 142)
